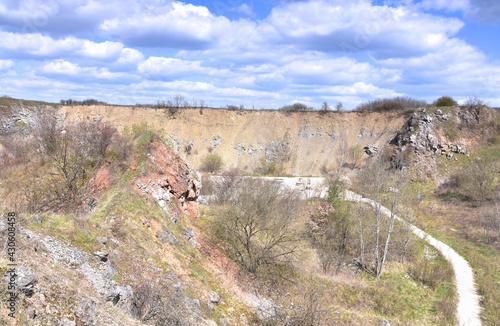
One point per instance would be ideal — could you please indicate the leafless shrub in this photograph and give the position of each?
(257, 224)
(478, 181)
(490, 220)
(54, 163)
(160, 303)
(473, 104)
(391, 104)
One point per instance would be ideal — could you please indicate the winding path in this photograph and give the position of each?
(468, 308)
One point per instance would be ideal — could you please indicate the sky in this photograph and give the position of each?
(259, 54)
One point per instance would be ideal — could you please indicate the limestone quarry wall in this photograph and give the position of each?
(304, 142)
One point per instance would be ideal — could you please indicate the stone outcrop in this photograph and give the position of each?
(370, 149)
(171, 183)
(422, 137)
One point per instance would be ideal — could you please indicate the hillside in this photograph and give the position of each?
(110, 228)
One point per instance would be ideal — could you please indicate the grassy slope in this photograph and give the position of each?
(457, 223)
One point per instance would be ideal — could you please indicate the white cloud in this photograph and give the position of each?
(178, 25)
(161, 65)
(101, 50)
(360, 26)
(173, 67)
(244, 9)
(42, 46)
(37, 44)
(63, 67)
(130, 56)
(337, 70)
(6, 64)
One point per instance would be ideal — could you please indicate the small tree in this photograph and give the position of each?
(71, 152)
(258, 223)
(212, 163)
(330, 229)
(325, 106)
(339, 107)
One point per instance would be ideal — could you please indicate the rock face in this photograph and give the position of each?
(422, 137)
(303, 143)
(171, 182)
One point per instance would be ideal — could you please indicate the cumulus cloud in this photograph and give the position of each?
(63, 67)
(130, 56)
(360, 26)
(177, 26)
(337, 70)
(39, 45)
(171, 66)
(6, 64)
(244, 9)
(311, 50)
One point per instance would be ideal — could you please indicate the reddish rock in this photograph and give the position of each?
(171, 179)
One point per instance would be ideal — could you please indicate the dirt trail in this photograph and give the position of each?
(468, 308)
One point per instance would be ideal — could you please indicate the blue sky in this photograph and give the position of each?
(260, 53)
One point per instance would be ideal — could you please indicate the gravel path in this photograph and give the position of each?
(468, 308)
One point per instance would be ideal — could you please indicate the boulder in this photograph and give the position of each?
(25, 280)
(370, 149)
(190, 236)
(102, 255)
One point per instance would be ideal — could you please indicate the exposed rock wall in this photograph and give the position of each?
(304, 143)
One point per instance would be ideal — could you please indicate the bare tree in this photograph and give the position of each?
(73, 150)
(339, 107)
(179, 100)
(257, 224)
(381, 186)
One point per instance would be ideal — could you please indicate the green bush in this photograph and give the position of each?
(445, 101)
(212, 163)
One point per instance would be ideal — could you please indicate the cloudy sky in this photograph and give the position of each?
(260, 53)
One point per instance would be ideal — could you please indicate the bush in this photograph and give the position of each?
(391, 104)
(473, 103)
(445, 101)
(212, 163)
(257, 224)
(52, 167)
(296, 107)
